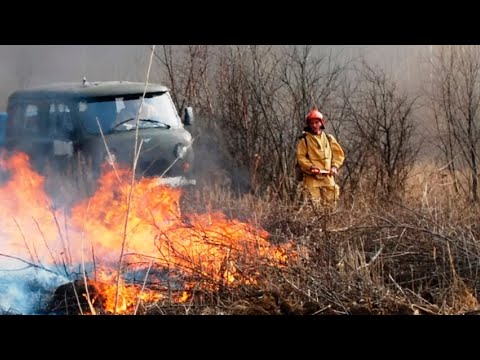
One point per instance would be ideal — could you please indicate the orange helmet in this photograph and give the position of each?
(315, 114)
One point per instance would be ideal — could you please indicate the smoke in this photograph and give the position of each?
(23, 66)
(25, 289)
(26, 222)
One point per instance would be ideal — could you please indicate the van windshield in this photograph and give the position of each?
(120, 113)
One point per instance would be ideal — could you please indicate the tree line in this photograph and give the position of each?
(251, 101)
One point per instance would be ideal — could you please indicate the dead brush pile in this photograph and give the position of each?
(369, 257)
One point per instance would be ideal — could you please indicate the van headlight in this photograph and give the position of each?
(180, 150)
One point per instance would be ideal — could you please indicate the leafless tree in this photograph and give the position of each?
(455, 98)
(381, 130)
(185, 72)
(247, 88)
(310, 79)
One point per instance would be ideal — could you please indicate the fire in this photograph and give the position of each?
(127, 229)
(26, 210)
(128, 296)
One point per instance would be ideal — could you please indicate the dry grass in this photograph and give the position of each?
(415, 256)
(419, 255)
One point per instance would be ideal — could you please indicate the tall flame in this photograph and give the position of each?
(145, 220)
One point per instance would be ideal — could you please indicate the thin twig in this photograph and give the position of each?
(29, 263)
(132, 185)
(84, 274)
(397, 286)
(374, 257)
(24, 239)
(322, 310)
(35, 248)
(110, 157)
(94, 263)
(66, 249)
(45, 241)
(143, 287)
(176, 159)
(299, 290)
(76, 297)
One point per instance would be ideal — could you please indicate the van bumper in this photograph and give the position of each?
(176, 181)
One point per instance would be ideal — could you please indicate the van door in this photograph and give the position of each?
(61, 129)
(27, 131)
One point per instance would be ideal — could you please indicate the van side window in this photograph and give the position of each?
(31, 120)
(60, 120)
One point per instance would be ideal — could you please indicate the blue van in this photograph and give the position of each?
(100, 122)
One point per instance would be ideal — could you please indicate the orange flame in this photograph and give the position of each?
(209, 250)
(28, 223)
(128, 296)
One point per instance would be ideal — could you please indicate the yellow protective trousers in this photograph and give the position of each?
(322, 189)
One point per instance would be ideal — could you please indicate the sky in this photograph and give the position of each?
(28, 65)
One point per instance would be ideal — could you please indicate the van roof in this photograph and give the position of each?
(83, 90)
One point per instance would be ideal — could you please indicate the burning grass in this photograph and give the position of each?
(119, 232)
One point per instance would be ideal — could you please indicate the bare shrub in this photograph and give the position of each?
(455, 101)
(380, 129)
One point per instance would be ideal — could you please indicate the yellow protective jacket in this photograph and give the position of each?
(322, 152)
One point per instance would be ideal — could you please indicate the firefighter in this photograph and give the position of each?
(319, 156)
